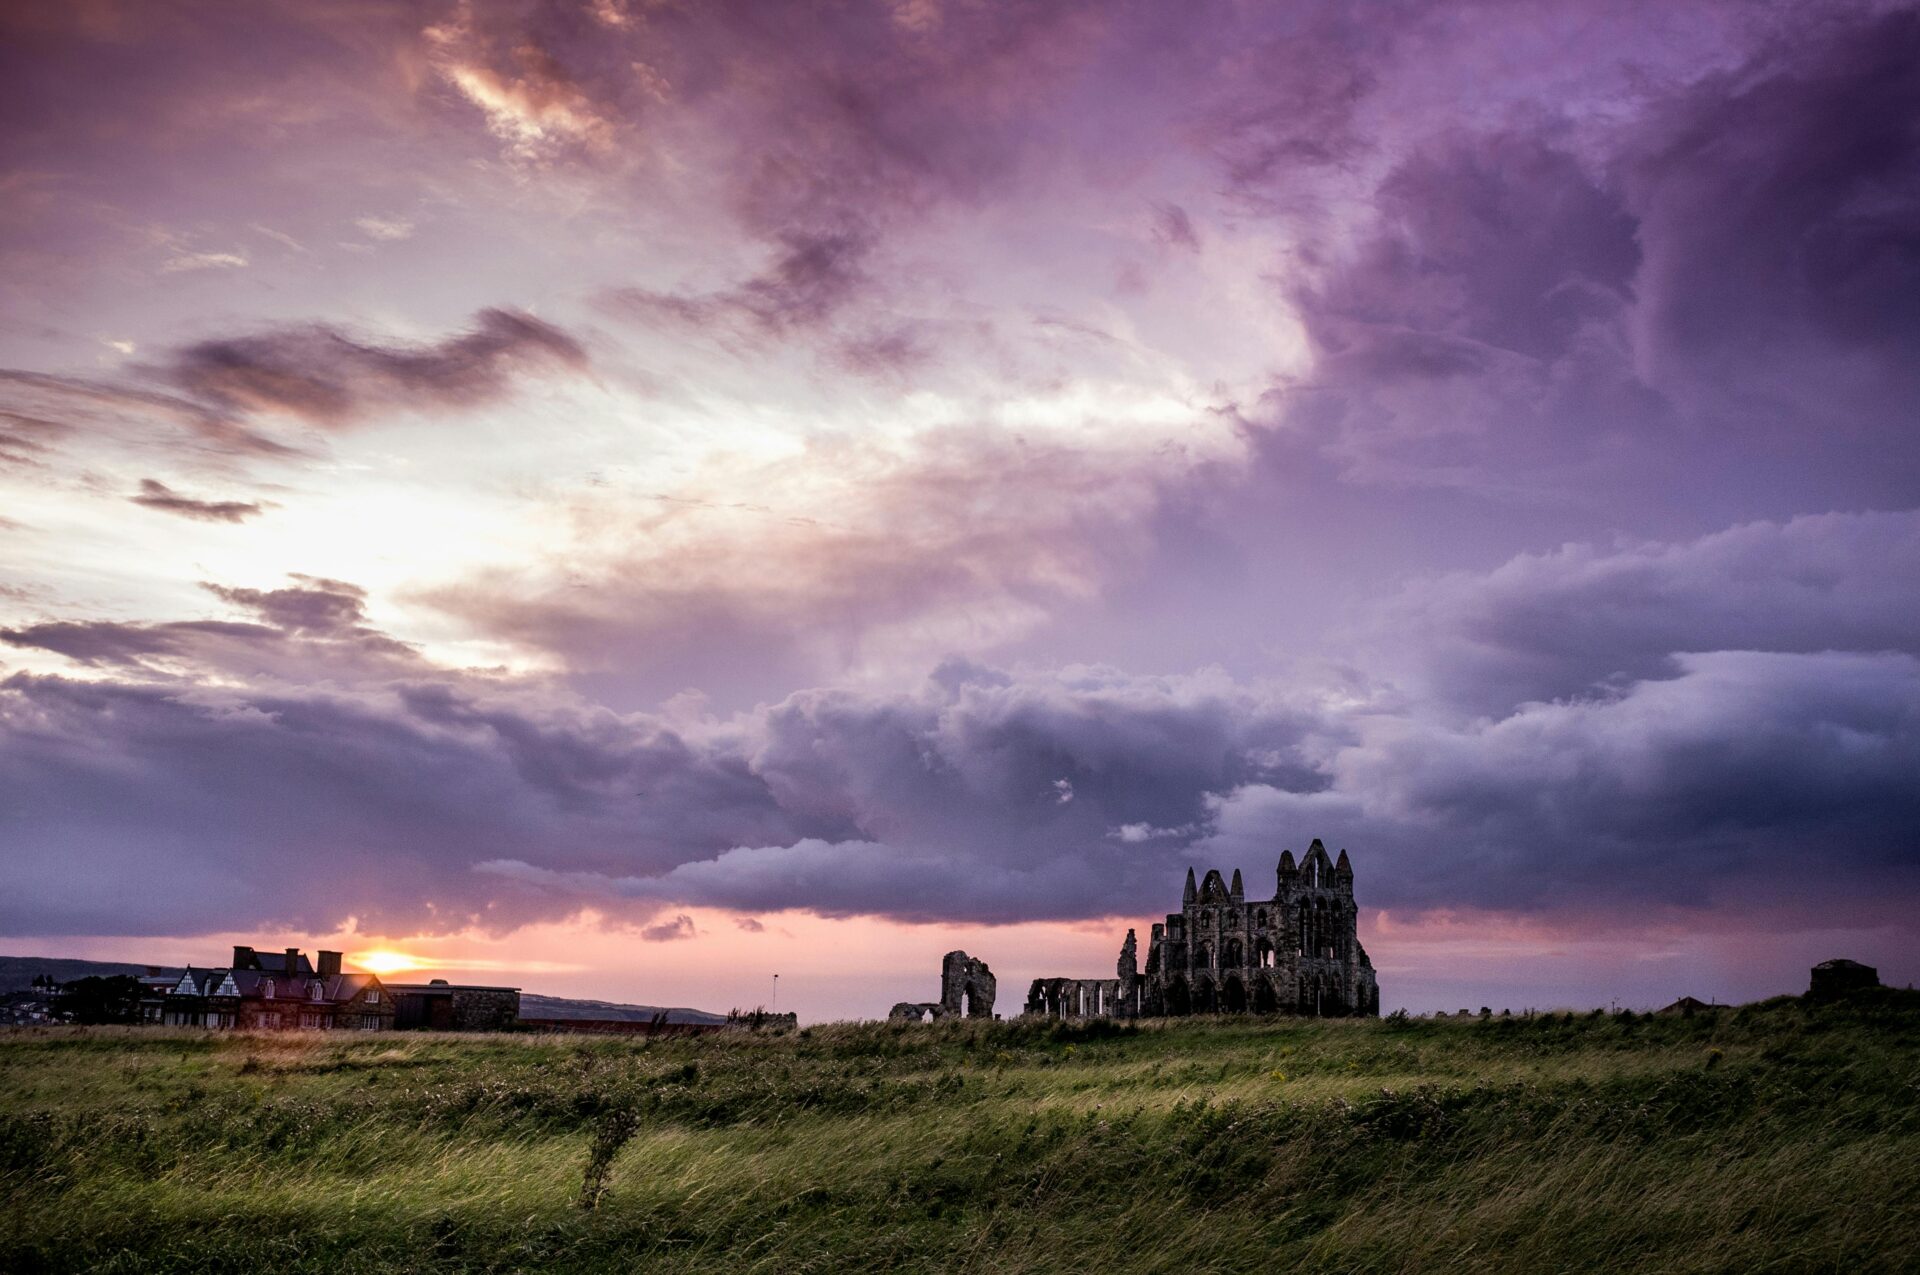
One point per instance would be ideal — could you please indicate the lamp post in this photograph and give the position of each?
(776, 993)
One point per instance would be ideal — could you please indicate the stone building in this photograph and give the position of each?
(1296, 953)
(441, 1006)
(967, 989)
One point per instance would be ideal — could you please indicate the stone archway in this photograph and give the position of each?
(1179, 1000)
(1233, 997)
(1264, 1001)
(1206, 998)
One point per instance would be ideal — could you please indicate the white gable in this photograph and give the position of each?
(226, 987)
(186, 986)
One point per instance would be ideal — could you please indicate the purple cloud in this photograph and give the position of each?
(680, 927)
(1584, 621)
(155, 494)
(323, 376)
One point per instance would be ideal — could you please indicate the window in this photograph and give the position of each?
(266, 988)
(319, 990)
(373, 996)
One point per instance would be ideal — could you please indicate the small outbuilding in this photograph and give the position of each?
(454, 1007)
(1832, 979)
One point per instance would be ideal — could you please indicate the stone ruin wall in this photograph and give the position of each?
(967, 990)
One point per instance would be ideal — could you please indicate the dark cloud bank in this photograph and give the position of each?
(1684, 772)
(1721, 286)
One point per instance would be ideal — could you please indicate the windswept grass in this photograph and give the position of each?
(1779, 1137)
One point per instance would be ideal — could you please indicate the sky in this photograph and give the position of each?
(636, 498)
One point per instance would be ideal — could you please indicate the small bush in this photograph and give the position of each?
(611, 1133)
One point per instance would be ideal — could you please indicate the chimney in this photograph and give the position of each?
(293, 962)
(329, 964)
(242, 957)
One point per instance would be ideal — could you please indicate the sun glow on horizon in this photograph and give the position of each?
(385, 961)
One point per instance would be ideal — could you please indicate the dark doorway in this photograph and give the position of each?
(1234, 998)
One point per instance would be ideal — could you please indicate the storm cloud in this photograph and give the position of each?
(494, 802)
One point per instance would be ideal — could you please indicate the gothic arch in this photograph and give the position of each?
(1264, 1001)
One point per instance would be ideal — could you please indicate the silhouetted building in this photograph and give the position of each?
(1836, 978)
(1296, 953)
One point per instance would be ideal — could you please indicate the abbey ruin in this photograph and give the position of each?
(967, 989)
(1296, 953)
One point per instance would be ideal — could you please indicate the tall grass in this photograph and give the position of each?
(1778, 1137)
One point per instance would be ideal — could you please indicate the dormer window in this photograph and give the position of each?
(266, 988)
(319, 990)
(373, 996)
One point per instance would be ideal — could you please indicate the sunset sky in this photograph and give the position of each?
(631, 498)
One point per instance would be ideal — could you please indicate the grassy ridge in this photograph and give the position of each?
(1778, 1137)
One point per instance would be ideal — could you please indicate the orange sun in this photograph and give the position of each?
(384, 961)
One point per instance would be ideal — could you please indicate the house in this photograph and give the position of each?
(270, 990)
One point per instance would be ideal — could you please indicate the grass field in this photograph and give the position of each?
(1779, 1137)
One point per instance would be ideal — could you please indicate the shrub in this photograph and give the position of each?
(611, 1132)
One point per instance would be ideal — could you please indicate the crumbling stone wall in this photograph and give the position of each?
(914, 1011)
(1082, 998)
(967, 990)
(967, 987)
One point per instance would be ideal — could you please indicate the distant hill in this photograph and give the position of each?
(18, 972)
(536, 1006)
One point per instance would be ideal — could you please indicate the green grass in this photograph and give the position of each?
(1780, 1137)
